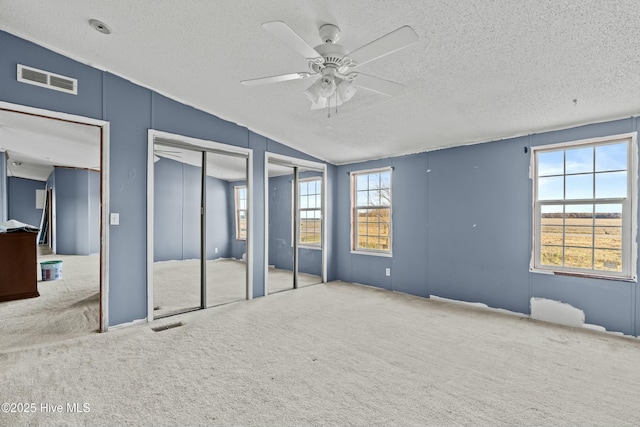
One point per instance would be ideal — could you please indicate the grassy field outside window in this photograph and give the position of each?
(583, 200)
(371, 211)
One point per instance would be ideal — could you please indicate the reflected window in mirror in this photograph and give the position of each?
(240, 192)
(310, 212)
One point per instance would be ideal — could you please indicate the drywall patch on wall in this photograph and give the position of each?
(558, 312)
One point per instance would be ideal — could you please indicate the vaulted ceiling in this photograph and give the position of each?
(480, 70)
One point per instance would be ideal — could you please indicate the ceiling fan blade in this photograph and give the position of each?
(290, 37)
(389, 43)
(275, 79)
(376, 84)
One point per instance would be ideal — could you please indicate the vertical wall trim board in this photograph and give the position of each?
(150, 222)
(203, 232)
(250, 232)
(266, 224)
(104, 95)
(105, 175)
(88, 235)
(530, 222)
(152, 111)
(325, 223)
(182, 167)
(634, 289)
(296, 226)
(426, 218)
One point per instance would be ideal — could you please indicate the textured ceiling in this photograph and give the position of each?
(35, 145)
(481, 70)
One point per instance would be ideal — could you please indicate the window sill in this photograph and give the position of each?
(317, 248)
(380, 254)
(584, 275)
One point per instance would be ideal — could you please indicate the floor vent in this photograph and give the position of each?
(46, 79)
(166, 327)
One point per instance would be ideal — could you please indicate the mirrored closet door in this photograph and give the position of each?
(200, 226)
(295, 225)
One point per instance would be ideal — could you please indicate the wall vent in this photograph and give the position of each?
(46, 79)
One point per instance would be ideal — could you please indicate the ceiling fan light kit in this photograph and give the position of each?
(334, 64)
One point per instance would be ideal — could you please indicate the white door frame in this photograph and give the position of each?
(104, 192)
(203, 145)
(283, 160)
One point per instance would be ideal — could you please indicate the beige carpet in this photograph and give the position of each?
(69, 307)
(332, 354)
(282, 280)
(65, 309)
(177, 283)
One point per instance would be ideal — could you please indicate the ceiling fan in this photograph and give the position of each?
(335, 65)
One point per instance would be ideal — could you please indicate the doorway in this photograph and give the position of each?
(40, 143)
(199, 224)
(295, 199)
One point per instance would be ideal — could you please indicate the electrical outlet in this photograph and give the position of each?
(387, 272)
(216, 250)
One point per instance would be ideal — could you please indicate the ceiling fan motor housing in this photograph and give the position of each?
(329, 33)
(332, 55)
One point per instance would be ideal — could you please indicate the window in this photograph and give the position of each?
(371, 211)
(310, 210)
(584, 200)
(241, 212)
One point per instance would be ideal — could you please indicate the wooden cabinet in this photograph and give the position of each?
(18, 266)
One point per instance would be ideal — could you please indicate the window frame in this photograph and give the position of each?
(238, 210)
(301, 244)
(629, 209)
(353, 175)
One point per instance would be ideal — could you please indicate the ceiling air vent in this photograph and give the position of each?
(46, 79)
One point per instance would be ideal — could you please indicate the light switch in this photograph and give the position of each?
(115, 219)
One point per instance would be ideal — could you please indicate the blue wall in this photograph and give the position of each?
(131, 111)
(176, 214)
(77, 214)
(462, 229)
(22, 200)
(219, 230)
(280, 250)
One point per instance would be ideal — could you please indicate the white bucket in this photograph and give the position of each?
(51, 270)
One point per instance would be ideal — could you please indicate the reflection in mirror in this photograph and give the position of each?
(226, 229)
(177, 229)
(280, 272)
(310, 227)
(295, 226)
